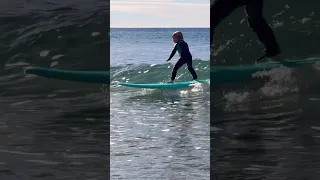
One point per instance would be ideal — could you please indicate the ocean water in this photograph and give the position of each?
(52, 129)
(268, 127)
(260, 129)
(158, 134)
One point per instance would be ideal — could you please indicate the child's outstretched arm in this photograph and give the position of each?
(173, 52)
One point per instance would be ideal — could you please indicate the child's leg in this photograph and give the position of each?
(175, 69)
(260, 26)
(219, 10)
(191, 70)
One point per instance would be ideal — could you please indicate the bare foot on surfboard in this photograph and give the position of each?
(271, 53)
(277, 58)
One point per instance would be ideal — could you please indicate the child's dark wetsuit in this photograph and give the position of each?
(220, 9)
(185, 57)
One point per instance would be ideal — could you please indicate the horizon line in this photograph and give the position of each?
(157, 27)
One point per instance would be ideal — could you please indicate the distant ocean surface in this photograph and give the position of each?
(158, 134)
(154, 45)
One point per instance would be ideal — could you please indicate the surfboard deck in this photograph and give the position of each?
(222, 74)
(174, 85)
(102, 77)
(218, 74)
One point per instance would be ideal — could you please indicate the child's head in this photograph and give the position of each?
(177, 36)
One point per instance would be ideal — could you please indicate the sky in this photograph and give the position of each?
(160, 13)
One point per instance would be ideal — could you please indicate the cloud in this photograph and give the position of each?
(184, 14)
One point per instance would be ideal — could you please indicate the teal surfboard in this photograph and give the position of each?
(174, 85)
(222, 74)
(102, 77)
(218, 74)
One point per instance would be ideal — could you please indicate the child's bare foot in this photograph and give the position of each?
(170, 81)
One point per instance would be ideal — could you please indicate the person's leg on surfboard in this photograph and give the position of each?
(219, 10)
(191, 70)
(177, 66)
(259, 25)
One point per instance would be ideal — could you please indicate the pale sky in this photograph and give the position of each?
(159, 13)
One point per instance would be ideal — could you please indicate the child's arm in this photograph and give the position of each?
(173, 52)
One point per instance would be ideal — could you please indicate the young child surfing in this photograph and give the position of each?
(185, 56)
